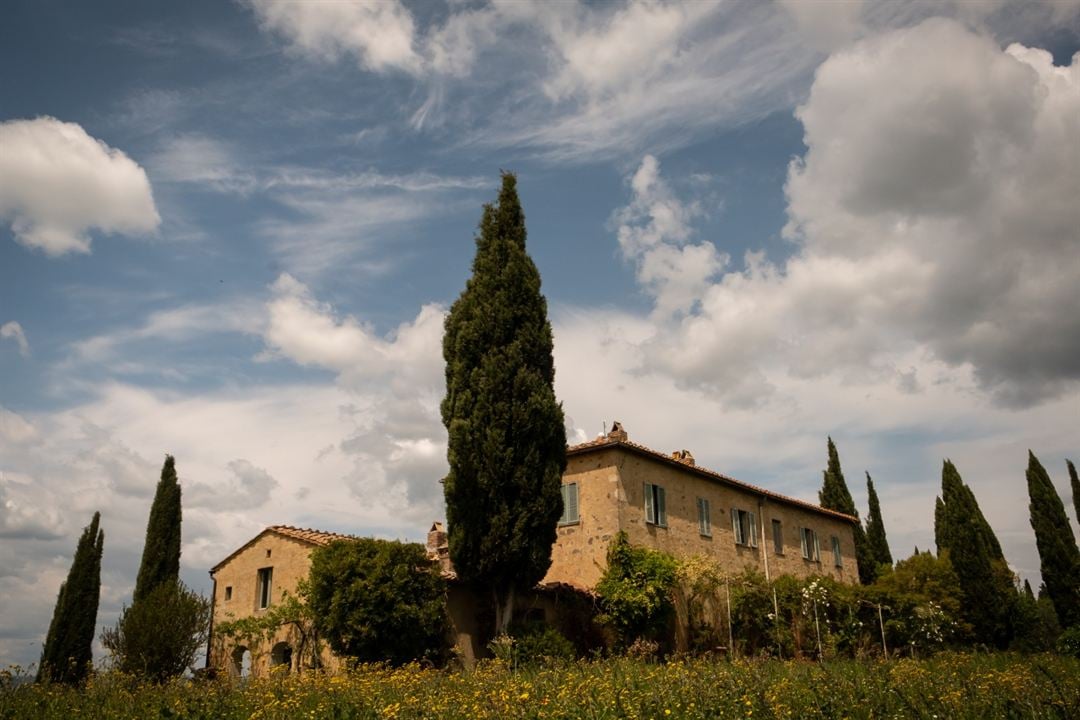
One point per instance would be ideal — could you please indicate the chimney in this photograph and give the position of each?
(436, 538)
(617, 433)
(683, 456)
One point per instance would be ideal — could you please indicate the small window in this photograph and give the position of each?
(811, 550)
(569, 504)
(703, 521)
(744, 527)
(777, 537)
(268, 552)
(655, 507)
(228, 592)
(266, 579)
(838, 561)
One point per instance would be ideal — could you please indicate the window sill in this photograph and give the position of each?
(705, 535)
(572, 523)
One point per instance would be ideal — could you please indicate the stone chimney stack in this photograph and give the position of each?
(617, 433)
(683, 456)
(436, 538)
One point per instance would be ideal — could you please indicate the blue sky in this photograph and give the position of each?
(229, 231)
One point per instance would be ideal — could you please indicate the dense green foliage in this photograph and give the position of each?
(159, 636)
(378, 600)
(67, 655)
(533, 644)
(1059, 557)
(877, 544)
(635, 591)
(954, 686)
(1036, 622)
(161, 553)
(988, 597)
(507, 440)
(834, 495)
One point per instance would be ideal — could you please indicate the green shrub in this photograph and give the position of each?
(539, 644)
(635, 590)
(1069, 642)
(377, 600)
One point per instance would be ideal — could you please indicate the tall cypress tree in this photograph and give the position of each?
(1074, 483)
(1059, 557)
(875, 528)
(67, 654)
(834, 495)
(507, 440)
(161, 553)
(989, 597)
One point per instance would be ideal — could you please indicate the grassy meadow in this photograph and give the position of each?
(946, 686)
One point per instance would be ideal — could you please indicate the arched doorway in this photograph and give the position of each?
(281, 657)
(241, 663)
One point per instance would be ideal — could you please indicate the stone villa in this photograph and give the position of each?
(662, 501)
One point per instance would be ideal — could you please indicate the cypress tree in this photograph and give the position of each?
(834, 495)
(161, 553)
(1059, 557)
(507, 440)
(67, 654)
(986, 583)
(875, 528)
(1074, 483)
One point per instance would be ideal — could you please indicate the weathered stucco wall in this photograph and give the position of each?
(579, 555)
(611, 485)
(290, 560)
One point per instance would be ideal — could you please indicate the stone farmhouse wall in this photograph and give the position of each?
(611, 477)
(286, 551)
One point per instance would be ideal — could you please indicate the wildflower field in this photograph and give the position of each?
(946, 686)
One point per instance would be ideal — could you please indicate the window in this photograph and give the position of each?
(777, 537)
(837, 560)
(704, 524)
(569, 504)
(744, 527)
(810, 548)
(228, 592)
(268, 552)
(262, 596)
(655, 508)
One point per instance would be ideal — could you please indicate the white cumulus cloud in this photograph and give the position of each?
(59, 183)
(934, 210)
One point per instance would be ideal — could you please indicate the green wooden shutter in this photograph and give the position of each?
(661, 506)
(735, 530)
(753, 529)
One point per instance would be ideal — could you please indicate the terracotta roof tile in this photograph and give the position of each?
(315, 537)
(307, 535)
(603, 443)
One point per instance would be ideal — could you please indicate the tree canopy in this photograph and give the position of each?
(67, 654)
(986, 583)
(378, 600)
(834, 495)
(507, 440)
(878, 544)
(161, 551)
(1059, 557)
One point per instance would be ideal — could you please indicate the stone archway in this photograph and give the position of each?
(281, 657)
(240, 666)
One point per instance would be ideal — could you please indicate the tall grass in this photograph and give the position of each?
(946, 686)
